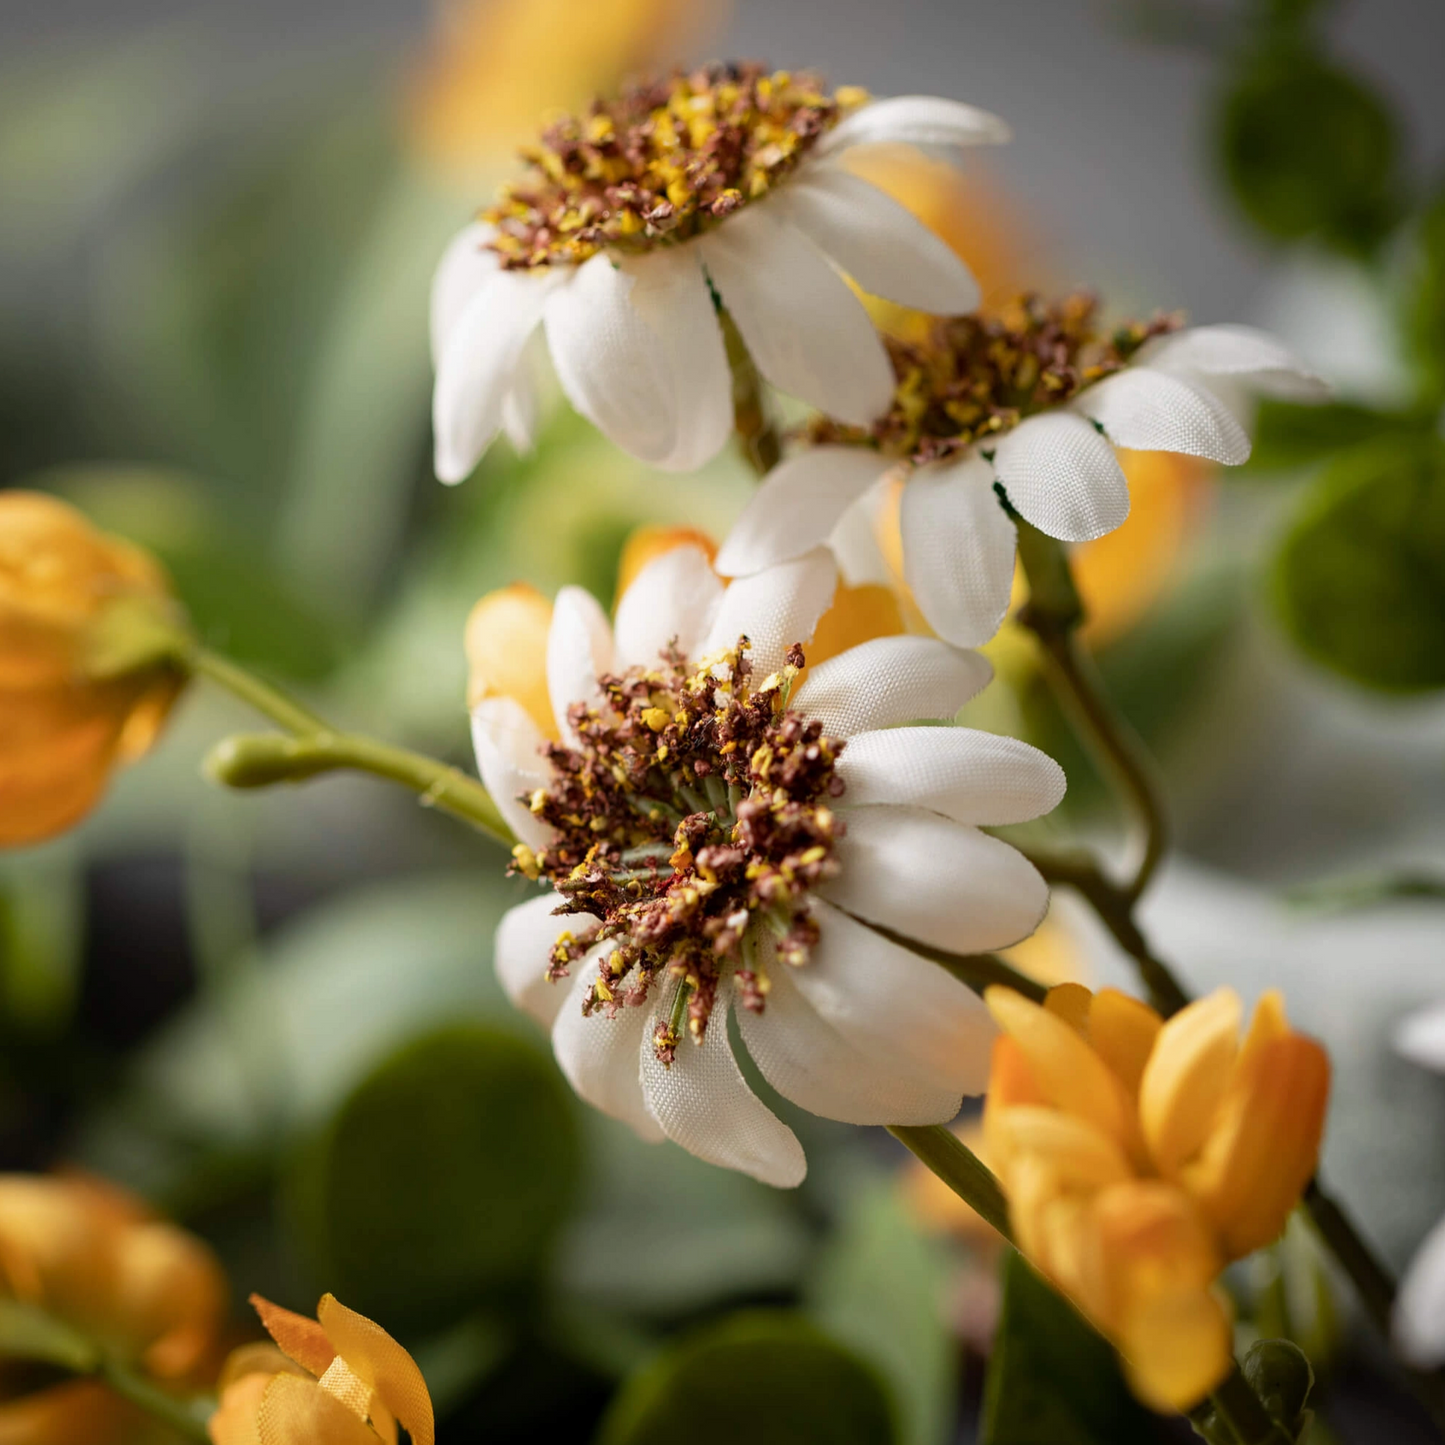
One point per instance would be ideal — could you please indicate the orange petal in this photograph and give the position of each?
(647, 544)
(304, 1340)
(1070, 1002)
(257, 1358)
(1177, 1347)
(237, 1418)
(1010, 1082)
(1186, 1077)
(76, 1412)
(1081, 1156)
(170, 1297)
(299, 1412)
(506, 647)
(383, 1364)
(1122, 1031)
(1266, 1143)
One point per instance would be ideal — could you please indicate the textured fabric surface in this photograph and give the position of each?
(1152, 411)
(703, 1102)
(465, 267)
(915, 120)
(599, 1054)
(523, 950)
(854, 542)
(890, 680)
(676, 596)
(807, 332)
(507, 744)
(882, 245)
(297, 1409)
(969, 776)
(797, 507)
(885, 998)
(579, 651)
(958, 550)
(940, 882)
(1063, 476)
(377, 1359)
(774, 609)
(1239, 351)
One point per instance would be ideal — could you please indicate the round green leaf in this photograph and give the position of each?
(441, 1182)
(1309, 152)
(767, 1378)
(1359, 581)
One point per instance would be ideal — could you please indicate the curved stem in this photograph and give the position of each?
(757, 433)
(183, 1416)
(941, 1150)
(268, 700)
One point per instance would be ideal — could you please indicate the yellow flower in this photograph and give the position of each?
(92, 1257)
(339, 1379)
(1140, 1157)
(85, 678)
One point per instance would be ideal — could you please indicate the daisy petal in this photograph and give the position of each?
(1420, 1306)
(928, 878)
(579, 651)
(882, 245)
(704, 1104)
(1152, 411)
(890, 680)
(810, 1062)
(807, 332)
(1421, 1038)
(508, 745)
(1063, 476)
(888, 1001)
(798, 506)
(915, 120)
(774, 609)
(673, 599)
(523, 954)
(599, 1054)
(1255, 357)
(478, 366)
(958, 550)
(466, 266)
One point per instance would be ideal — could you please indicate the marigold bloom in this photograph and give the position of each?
(1142, 1156)
(84, 680)
(339, 1379)
(94, 1259)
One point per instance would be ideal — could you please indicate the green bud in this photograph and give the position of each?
(259, 760)
(1280, 1373)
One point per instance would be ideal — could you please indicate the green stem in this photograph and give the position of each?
(946, 1155)
(183, 1416)
(1234, 1415)
(757, 434)
(977, 970)
(268, 700)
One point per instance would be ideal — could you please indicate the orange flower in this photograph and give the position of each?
(339, 1379)
(88, 628)
(1140, 1157)
(94, 1260)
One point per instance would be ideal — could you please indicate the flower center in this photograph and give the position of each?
(664, 161)
(978, 376)
(691, 815)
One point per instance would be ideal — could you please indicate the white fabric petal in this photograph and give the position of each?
(797, 506)
(881, 244)
(704, 1104)
(928, 878)
(890, 680)
(674, 598)
(774, 609)
(806, 1059)
(890, 1002)
(599, 1054)
(508, 746)
(523, 953)
(1256, 357)
(1063, 476)
(958, 550)
(1421, 1038)
(1153, 411)
(478, 367)
(807, 332)
(915, 120)
(967, 775)
(854, 541)
(579, 651)
(1420, 1305)
(467, 264)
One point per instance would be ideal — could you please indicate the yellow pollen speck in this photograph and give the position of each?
(655, 718)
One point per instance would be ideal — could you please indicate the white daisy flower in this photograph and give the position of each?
(1032, 403)
(636, 221)
(1420, 1304)
(722, 841)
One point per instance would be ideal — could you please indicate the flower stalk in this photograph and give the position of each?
(757, 433)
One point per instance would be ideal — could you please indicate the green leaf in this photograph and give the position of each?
(28, 1333)
(1052, 1380)
(440, 1185)
(766, 1378)
(1424, 310)
(1359, 581)
(1310, 153)
(1290, 434)
(878, 1286)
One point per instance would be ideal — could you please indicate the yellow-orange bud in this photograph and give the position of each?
(88, 671)
(506, 647)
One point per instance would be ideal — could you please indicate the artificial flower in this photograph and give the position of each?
(85, 680)
(1027, 406)
(339, 1379)
(726, 183)
(1141, 1156)
(721, 839)
(98, 1263)
(1420, 1305)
